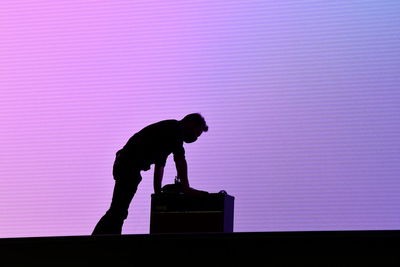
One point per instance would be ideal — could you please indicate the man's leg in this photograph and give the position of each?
(124, 190)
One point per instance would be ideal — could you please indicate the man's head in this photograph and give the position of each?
(193, 126)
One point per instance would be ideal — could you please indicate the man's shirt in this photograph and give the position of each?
(153, 144)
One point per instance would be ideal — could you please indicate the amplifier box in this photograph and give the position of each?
(180, 213)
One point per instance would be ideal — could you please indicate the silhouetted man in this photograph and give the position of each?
(151, 145)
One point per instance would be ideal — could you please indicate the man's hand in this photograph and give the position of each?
(181, 168)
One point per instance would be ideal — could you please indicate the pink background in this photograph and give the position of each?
(302, 100)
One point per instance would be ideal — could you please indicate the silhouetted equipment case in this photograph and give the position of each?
(179, 213)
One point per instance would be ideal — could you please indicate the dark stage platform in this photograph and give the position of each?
(339, 248)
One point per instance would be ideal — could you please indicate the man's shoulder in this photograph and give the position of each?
(171, 122)
(165, 127)
(160, 124)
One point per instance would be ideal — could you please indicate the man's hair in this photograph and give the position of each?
(197, 119)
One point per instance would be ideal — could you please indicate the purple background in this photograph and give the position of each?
(302, 100)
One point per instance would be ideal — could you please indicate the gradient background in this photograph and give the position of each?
(302, 99)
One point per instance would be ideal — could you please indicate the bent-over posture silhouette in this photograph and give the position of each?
(151, 145)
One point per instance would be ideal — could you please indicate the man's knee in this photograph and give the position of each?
(118, 214)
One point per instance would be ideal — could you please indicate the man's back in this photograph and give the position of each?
(154, 143)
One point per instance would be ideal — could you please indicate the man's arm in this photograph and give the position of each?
(158, 176)
(181, 168)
